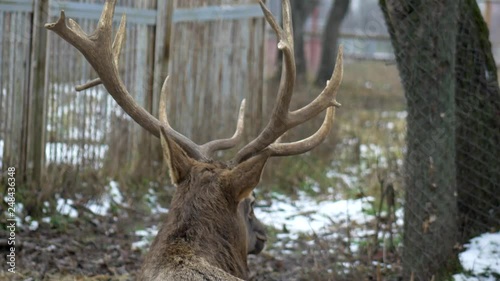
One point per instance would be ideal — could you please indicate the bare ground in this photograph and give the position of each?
(100, 248)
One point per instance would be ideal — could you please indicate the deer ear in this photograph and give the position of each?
(179, 163)
(245, 176)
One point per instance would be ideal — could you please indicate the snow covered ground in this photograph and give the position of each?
(306, 215)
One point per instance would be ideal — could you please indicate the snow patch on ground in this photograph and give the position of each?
(33, 225)
(152, 201)
(292, 217)
(65, 207)
(462, 277)
(307, 215)
(147, 235)
(110, 197)
(114, 192)
(481, 258)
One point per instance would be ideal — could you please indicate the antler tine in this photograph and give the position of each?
(92, 83)
(282, 119)
(119, 39)
(285, 44)
(117, 49)
(105, 25)
(286, 14)
(222, 144)
(302, 146)
(326, 98)
(277, 125)
(188, 145)
(73, 33)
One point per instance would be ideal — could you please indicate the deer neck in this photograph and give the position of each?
(192, 231)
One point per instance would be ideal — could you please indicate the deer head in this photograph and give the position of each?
(208, 231)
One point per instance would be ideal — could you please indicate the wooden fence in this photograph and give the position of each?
(212, 49)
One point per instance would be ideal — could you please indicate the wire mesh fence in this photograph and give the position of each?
(453, 127)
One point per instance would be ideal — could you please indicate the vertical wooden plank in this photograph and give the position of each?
(162, 51)
(15, 151)
(261, 101)
(3, 92)
(24, 101)
(8, 151)
(148, 148)
(139, 73)
(16, 105)
(215, 65)
(37, 90)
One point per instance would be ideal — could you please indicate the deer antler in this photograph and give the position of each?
(103, 55)
(282, 119)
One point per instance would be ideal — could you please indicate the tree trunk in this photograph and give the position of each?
(426, 61)
(478, 126)
(300, 12)
(331, 34)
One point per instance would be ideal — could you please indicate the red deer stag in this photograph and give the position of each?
(205, 235)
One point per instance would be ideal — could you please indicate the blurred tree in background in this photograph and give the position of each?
(331, 34)
(301, 10)
(452, 164)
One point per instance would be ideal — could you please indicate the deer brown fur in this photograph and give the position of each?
(205, 224)
(210, 227)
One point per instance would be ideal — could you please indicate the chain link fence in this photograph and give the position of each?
(452, 168)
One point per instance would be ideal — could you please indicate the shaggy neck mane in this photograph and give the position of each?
(202, 222)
